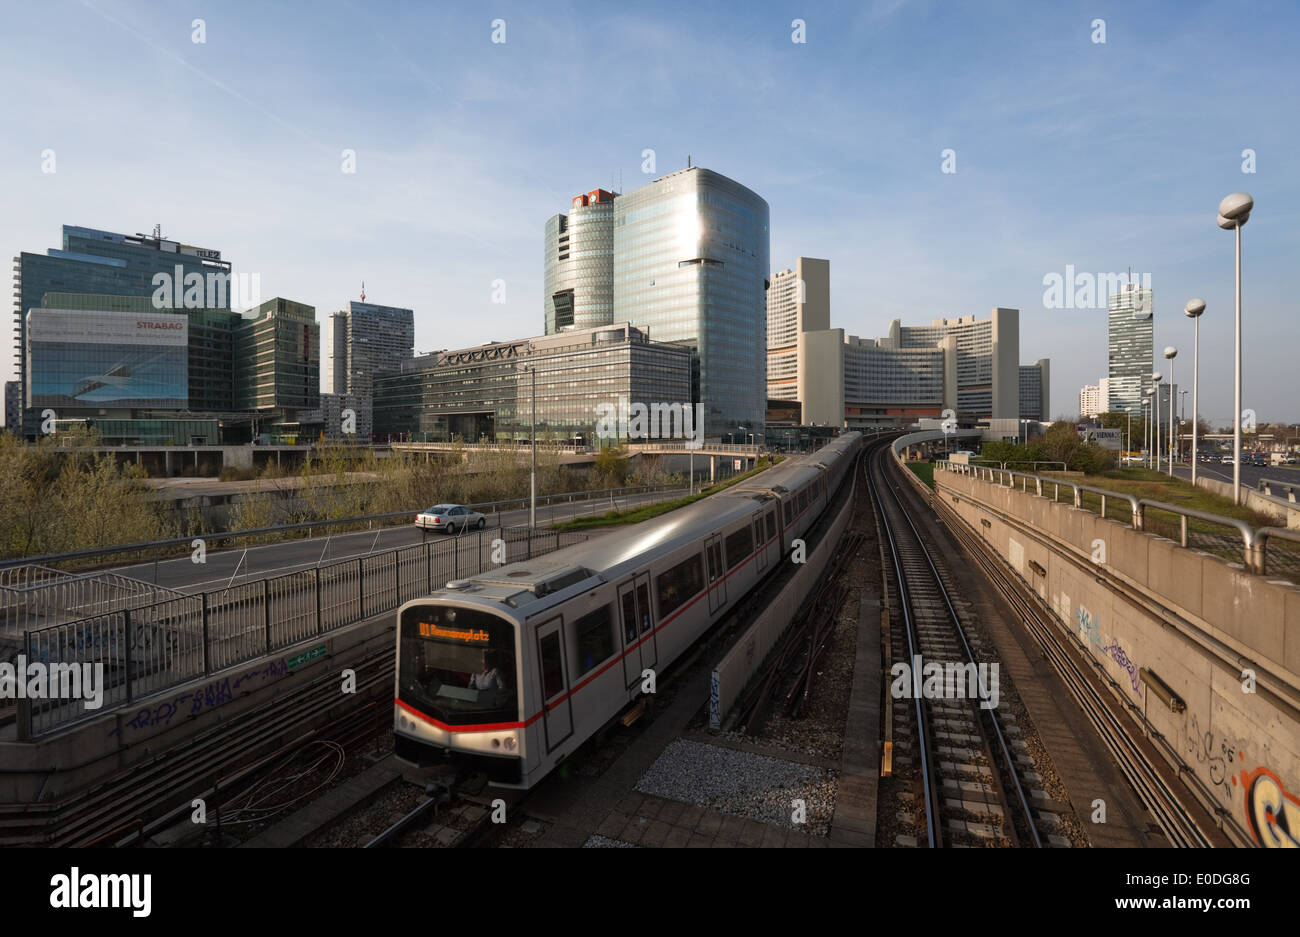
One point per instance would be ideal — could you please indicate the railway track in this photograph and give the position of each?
(1157, 785)
(968, 785)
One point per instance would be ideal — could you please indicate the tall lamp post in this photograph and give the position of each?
(1128, 439)
(1170, 353)
(1234, 211)
(1193, 310)
(1155, 416)
(532, 433)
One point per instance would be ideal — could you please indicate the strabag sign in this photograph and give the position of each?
(108, 328)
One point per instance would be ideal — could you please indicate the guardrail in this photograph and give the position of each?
(143, 651)
(1254, 541)
(187, 543)
(1287, 490)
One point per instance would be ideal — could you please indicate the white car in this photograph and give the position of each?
(450, 518)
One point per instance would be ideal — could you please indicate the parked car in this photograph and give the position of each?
(451, 518)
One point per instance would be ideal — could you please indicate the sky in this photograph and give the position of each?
(1102, 156)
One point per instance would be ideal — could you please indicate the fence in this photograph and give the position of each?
(32, 596)
(548, 507)
(1244, 542)
(145, 650)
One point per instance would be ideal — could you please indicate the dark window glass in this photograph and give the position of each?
(595, 639)
(739, 546)
(458, 665)
(552, 667)
(643, 600)
(678, 585)
(629, 616)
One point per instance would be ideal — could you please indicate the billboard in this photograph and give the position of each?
(99, 359)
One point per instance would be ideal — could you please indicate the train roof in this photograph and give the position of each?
(583, 566)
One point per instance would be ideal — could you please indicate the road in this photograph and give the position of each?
(1250, 474)
(219, 568)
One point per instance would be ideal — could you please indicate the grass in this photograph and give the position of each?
(1156, 486)
(647, 511)
(923, 471)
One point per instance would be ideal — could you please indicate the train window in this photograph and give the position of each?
(552, 668)
(643, 600)
(595, 639)
(771, 524)
(739, 546)
(715, 560)
(676, 586)
(458, 665)
(629, 616)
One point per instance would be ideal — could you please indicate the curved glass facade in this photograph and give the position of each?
(691, 264)
(579, 265)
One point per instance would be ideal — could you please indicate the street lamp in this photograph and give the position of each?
(1234, 211)
(1170, 353)
(532, 433)
(1128, 443)
(1155, 415)
(1147, 421)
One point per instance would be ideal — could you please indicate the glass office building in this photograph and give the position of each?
(93, 261)
(579, 264)
(360, 342)
(482, 394)
(1131, 347)
(691, 266)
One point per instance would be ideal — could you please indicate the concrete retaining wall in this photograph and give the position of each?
(1142, 605)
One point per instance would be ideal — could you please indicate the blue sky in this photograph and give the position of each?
(1102, 156)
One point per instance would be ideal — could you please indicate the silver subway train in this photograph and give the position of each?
(511, 670)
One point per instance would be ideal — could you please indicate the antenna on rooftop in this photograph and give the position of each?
(363, 291)
(157, 231)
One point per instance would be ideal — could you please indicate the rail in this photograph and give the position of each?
(1254, 541)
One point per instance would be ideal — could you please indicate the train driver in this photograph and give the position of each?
(490, 678)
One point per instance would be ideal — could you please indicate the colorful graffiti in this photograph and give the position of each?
(1273, 813)
(1090, 634)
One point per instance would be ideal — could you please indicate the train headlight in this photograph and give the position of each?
(510, 744)
(496, 743)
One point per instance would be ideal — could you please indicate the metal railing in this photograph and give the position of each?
(146, 650)
(185, 544)
(1253, 548)
(31, 596)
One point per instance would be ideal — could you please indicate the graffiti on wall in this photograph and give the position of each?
(1273, 812)
(1090, 635)
(198, 701)
(1216, 752)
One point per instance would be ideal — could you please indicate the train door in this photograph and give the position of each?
(717, 583)
(553, 670)
(760, 541)
(636, 620)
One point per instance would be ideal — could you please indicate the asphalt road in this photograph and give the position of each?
(235, 566)
(1250, 474)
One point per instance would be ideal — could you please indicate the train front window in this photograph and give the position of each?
(458, 665)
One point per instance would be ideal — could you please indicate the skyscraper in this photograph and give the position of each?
(1131, 347)
(360, 342)
(579, 264)
(798, 302)
(689, 264)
